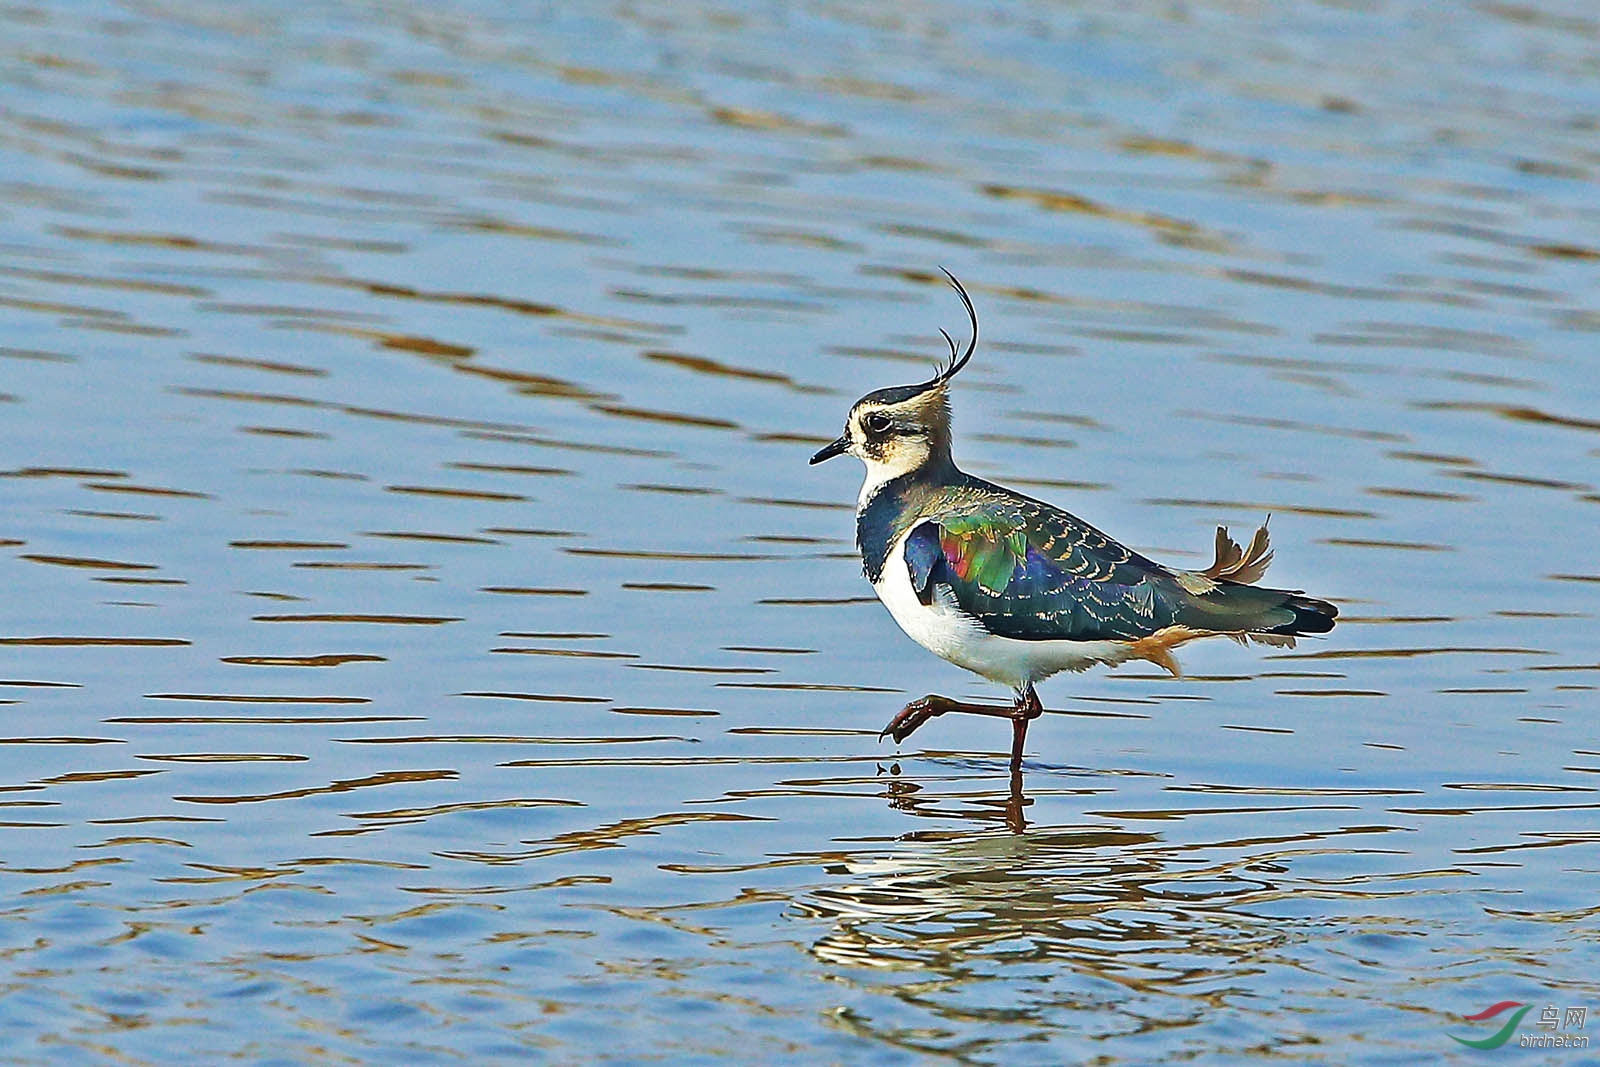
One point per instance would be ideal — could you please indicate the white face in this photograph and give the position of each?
(895, 438)
(894, 432)
(889, 439)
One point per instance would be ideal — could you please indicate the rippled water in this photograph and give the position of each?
(425, 638)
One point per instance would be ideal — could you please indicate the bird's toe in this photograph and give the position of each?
(914, 715)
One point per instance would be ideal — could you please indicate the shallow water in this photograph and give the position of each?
(426, 639)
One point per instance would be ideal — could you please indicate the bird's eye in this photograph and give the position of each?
(877, 422)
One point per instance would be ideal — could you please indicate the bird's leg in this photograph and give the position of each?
(1025, 711)
(931, 706)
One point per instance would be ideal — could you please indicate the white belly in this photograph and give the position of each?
(945, 630)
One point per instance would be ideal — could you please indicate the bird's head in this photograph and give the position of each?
(904, 428)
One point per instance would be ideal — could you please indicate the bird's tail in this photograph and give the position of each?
(1224, 599)
(1251, 612)
(1311, 616)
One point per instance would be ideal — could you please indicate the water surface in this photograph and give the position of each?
(425, 638)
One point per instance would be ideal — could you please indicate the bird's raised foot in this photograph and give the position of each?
(916, 713)
(932, 706)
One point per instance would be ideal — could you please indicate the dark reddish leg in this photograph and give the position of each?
(1026, 710)
(914, 714)
(931, 706)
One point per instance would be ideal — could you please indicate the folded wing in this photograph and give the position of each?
(1029, 571)
(1038, 574)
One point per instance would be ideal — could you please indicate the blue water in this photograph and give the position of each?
(425, 638)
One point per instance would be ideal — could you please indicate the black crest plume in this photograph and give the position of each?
(949, 371)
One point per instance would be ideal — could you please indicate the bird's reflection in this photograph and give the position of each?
(1150, 931)
(906, 795)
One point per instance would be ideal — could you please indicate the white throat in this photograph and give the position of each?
(878, 475)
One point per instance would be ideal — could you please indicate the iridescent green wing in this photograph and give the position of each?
(1033, 572)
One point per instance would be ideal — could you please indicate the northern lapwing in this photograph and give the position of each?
(1015, 589)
